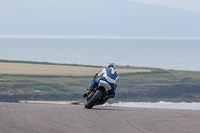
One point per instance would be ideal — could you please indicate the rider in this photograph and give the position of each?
(108, 75)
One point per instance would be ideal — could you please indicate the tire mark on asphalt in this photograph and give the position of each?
(97, 113)
(127, 120)
(92, 112)
(61, 117)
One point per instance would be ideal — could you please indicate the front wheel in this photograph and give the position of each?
(94, 99)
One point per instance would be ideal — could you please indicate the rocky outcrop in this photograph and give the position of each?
(166, 92)
(187, 92)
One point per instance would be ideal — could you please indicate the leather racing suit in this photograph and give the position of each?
(108, 75)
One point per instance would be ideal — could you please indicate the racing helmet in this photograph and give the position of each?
(111, 65)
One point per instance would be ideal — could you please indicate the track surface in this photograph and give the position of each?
(52, 118)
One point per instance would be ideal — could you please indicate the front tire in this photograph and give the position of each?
(94, 99)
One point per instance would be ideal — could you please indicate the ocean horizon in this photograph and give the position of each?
(158, 53)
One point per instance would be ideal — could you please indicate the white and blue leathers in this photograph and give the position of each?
(110, 76)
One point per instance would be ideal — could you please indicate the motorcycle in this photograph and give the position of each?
(99, 95)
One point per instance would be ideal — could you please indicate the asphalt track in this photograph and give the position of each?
(55, 118)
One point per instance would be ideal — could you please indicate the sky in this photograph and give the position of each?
(191, 5)
(128, 19)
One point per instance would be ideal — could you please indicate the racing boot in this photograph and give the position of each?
(88, 91)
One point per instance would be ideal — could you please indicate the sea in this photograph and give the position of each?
(158, 53)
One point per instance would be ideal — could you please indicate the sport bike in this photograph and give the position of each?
(99, 95)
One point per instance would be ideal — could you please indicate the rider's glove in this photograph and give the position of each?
(95, 76)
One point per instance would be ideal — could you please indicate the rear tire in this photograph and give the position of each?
(93, 100)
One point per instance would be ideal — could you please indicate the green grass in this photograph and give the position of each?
(65, 90)
(192, 74)
(44, 83)
(64, 83)
(80, 83)
(158, 76)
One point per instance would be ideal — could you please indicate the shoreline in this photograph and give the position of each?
(50, 102)
(150, 105)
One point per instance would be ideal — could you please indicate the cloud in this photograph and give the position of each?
(191, 5)
(98, 37)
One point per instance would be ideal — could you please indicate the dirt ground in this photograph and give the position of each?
(68, 118)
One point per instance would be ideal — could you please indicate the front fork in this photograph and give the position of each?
(90, 96)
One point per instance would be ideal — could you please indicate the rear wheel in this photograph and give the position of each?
(94, 99)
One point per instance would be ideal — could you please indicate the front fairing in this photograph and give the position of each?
(105, 85)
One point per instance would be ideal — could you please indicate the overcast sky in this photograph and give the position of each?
(192, 5)
(100, 18)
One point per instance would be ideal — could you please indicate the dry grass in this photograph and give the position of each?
(39, 69)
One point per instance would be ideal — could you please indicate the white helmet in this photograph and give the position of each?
(112, 67)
